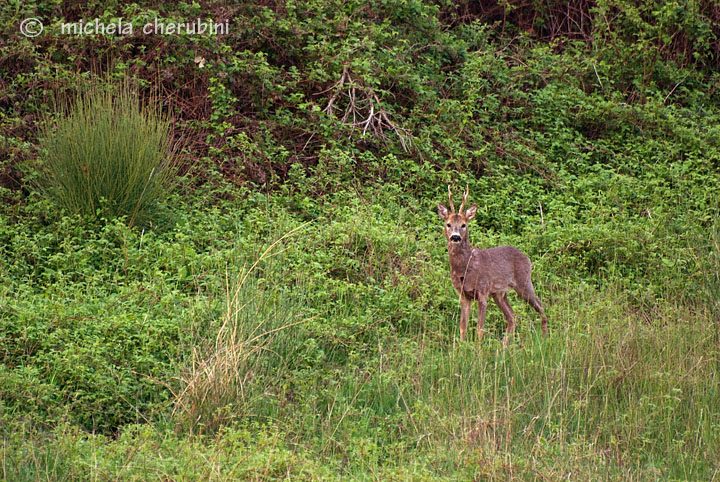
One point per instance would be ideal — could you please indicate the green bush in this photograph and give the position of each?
(108, 154)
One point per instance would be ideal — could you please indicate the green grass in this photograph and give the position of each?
(607, 395)
(285, 360)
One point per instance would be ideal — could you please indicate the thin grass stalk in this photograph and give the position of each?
(221, 376)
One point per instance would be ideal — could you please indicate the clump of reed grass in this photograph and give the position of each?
(108, 152)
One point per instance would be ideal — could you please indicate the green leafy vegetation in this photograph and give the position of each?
(286, 312)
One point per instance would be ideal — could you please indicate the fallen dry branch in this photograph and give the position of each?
(362, 109)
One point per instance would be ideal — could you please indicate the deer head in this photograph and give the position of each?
(456, 230)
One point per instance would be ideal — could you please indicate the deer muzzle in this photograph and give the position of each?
(455, 238)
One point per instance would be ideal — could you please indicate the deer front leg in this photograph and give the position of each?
(482, 308)
(464, 314)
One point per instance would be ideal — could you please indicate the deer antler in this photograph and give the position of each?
(467, 191)
(452, 206)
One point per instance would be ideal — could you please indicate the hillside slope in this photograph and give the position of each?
(288, 311)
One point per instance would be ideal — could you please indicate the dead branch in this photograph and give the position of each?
(362, 109)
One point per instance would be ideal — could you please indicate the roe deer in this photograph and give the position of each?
(477, 273)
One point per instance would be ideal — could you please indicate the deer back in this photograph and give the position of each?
(492, 270)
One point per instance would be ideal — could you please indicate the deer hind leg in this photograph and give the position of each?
(527, 292)
(502, 301)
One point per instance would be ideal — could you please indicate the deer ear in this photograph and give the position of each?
(443, 211)
(471, 211)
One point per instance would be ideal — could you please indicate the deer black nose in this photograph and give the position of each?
(455, 238)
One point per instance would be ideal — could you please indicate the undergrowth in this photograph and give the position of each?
(286, 312)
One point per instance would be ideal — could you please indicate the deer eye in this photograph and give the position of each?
(463, 226)
(448, 225)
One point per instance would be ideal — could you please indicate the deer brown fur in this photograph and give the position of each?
(479, 273)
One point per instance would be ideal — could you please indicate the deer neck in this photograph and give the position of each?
(459, 254)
